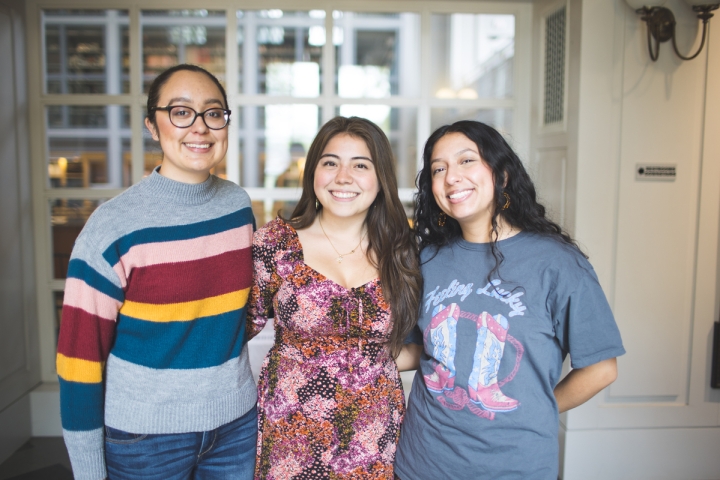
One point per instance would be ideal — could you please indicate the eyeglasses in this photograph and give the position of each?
(183, 117)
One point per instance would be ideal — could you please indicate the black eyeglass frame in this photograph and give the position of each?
(167, 109)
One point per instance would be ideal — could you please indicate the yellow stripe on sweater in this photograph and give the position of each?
(79, 370)
(186, 311)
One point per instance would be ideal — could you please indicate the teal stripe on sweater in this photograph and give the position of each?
(81, 405)
(177, 232)
(201, 343)
(82, 270)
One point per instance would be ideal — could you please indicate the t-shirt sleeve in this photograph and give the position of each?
(584, 324)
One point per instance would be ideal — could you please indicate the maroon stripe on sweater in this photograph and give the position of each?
(194, 280)
(84, 335)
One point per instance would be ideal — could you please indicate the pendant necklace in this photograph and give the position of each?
(339, 259)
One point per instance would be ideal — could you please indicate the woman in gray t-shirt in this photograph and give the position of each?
(507, 295)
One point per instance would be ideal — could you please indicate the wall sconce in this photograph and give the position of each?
(661, 22)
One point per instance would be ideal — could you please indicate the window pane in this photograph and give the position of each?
(88, 146)
(84, 12)
(152, 156)
(472, 55)
(186, 14)
(68, 217)
(170, 37)
(86, 51)
(409, 207)
(240, 36)
(501, 118)
(280, 52)
(274, 141)
(57, 304)
(400, 126)
(377, 55)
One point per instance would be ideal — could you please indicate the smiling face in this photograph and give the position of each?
(189, 153)
(345, 180)
(463, 184)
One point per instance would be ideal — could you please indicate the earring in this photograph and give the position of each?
(507, 201)
(317, 204)
(441, 219)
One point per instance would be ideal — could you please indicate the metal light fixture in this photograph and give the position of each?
(661, 22)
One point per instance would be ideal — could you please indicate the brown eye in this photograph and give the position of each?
(181, 112)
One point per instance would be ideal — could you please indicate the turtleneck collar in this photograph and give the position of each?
(178, 192)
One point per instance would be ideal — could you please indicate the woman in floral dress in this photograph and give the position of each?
(341, 278)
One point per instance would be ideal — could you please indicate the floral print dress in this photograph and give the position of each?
(330, 400)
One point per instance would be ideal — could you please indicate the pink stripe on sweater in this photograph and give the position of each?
(183, 250)
(80, 295)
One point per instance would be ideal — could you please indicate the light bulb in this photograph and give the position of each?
(467, 94)
(445, 93)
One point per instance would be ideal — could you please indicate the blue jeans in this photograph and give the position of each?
(226, 453)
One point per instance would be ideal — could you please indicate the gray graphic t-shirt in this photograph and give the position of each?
(482, 403)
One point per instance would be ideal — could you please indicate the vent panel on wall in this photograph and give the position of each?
(554, 67)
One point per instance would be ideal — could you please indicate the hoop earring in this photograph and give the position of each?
(441, 219)
(507, 201)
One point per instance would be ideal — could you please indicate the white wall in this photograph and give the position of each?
(653, 244)
(19, 360)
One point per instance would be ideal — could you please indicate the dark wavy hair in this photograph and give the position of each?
(509, 177)
(391, 246)
(161, 80)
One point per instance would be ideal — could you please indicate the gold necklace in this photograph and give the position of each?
(339, 259)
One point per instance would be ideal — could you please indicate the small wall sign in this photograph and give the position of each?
(656, 173)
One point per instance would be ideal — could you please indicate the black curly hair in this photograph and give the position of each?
(509, 176)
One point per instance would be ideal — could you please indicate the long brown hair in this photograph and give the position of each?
(391, 247)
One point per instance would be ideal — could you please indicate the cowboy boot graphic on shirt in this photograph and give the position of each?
(443, 338)
(482, 384)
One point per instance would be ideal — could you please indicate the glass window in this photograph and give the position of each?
(88, 146)
(499, 118)
(170, 37)
(57, 307)
(68, 217)
(281, 99)
(86, 51)
(278, 136)
(79, 12)
(472, 55)
(192, 14)
(376, 54)
(152, 154)
(284, 53)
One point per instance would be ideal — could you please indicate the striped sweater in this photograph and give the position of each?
(152, 338)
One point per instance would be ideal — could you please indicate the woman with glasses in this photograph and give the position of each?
(507, 295)
(342, 281)
(154, 375)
